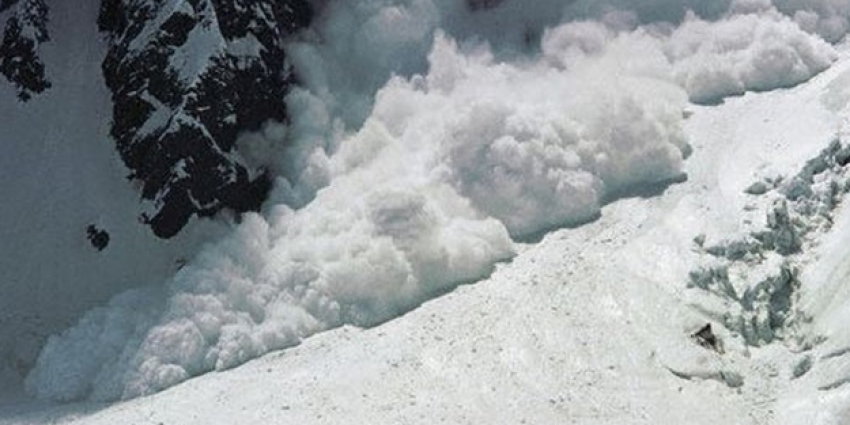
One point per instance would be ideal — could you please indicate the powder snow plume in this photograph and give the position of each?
(427, 137)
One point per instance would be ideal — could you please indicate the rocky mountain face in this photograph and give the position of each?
(24, 32)
(186, 76)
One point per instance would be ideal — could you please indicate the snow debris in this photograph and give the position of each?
(448, 167)
(428, 138)
(756, 275)
(713, 60)
(757, 188)
(802, 366)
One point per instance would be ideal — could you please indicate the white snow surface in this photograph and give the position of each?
(585, 326)
(401, 187)
(60, 174)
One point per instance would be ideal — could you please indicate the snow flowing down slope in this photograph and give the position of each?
(453, 156)
(592, 324)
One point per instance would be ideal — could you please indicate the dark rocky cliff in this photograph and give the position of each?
(24, 32)
(186, 78)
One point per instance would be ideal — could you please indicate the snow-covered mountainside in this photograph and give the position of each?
(646, 200)
(560, 335)
(92, 93)
(186, 78)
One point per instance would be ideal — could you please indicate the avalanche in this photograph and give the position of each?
(430, 143)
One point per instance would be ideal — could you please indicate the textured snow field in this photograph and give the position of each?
(398, 187)
(583, 327)
(589, 325)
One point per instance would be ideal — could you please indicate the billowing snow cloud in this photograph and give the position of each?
(538, 146)
(827, 18)
(713, 60)
(417, 150)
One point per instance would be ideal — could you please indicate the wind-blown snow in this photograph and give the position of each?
(417, 151)
(743, 53)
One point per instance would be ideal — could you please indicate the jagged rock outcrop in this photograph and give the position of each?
(186, 77)
(25, 30)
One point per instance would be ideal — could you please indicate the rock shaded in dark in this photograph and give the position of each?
(184, 84)
(705, 337)
(25, 31)
(99, 238)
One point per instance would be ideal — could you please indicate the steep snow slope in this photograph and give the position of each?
(61, 174)
(489, 140)
(591, 325)
(167, 113)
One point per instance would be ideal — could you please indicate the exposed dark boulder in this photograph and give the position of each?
(98, 237)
